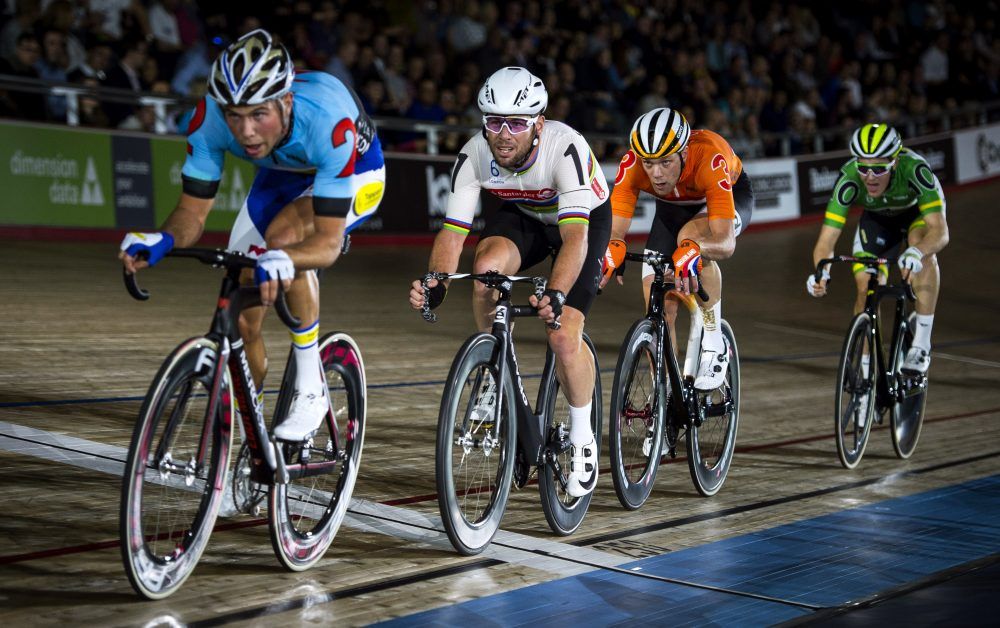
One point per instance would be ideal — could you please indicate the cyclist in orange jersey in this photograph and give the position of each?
(703, 201)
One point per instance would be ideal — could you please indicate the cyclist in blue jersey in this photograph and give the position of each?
(321, 173)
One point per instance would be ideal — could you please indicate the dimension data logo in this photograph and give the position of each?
(65, 187)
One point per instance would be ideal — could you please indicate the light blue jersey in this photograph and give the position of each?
(331, 138)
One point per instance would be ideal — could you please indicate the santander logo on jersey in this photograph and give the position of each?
(532, 195)
(628, 160)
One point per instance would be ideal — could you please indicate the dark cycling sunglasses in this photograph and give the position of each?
(495, 124)
(878, 170)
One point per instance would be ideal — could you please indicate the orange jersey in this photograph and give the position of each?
(709, 172)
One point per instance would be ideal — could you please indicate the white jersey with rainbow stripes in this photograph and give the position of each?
(560, 185)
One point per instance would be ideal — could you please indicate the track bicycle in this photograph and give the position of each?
(654, 402)
(903, 394)
(489, 437)
(175, 473)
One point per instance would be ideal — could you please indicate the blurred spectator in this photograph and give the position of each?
(23, 21)
(115, 18)
(125, 75)
(53, 65)
(91, 112)
(467, 33)
(22, 62)
(166, 33)
(144, 117)
(342, 64)
(934, 63)
(95, 64)
(61, 16)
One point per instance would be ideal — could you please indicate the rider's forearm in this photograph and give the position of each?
(187, 222)
(322, 247)
(185, 225)
(569, 261)
(936, 237)
(721, 243)
(619, 226)
(828, 237)
(446, 252)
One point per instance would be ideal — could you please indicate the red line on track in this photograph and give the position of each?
(90, 547)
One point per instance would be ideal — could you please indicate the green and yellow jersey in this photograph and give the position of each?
(913, 184)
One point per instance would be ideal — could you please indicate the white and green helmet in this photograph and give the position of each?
(875, 141)
(251, 70)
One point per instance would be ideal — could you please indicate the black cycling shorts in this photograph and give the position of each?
(671, 217)
(536, 240)
(879, 234)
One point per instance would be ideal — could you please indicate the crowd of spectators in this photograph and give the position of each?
(751, 70)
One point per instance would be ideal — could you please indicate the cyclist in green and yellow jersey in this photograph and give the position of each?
(902, 201)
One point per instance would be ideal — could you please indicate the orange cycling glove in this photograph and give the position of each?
(613, 257)
(687, 259)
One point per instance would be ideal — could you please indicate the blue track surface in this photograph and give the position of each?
(817, 563)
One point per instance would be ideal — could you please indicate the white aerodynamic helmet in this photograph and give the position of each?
(251, 70)
(513, 91)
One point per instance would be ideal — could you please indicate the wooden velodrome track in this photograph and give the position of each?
(77, 355)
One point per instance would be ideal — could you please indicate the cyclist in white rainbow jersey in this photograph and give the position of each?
(555, 203)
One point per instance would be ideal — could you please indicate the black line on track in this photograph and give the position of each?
(431, 574)
(748, 359)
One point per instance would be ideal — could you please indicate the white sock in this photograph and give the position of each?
(580, 432)
(713, 330)
(922, 324)
(865, 364)
(307, 363)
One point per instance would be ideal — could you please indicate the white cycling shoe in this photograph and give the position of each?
(712, 368)
(917, 360)
(305, 415)
(583, 470)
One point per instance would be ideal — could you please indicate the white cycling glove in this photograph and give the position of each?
(154, 245)
(912, 260)
(274, 264)
(812, 284)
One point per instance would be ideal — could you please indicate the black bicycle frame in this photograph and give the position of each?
(886, 389)
(267, 462)
(531, 423)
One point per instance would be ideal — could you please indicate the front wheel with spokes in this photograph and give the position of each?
(476, 439)
(175, 470)
(854, 400)
(305, 514)
(636, 421)
(711, 439)
(907, 411)
(564, 512)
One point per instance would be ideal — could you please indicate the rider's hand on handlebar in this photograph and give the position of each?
(272, 267)
(549, 306)
(435, 293)
(818, 288)
(687, 266)
(613, 259)
(151, 246)
(911, 262)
